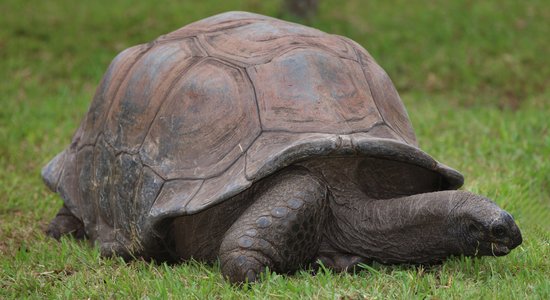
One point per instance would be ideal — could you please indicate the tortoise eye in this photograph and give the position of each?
(499, 231)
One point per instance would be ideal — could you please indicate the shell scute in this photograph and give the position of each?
(309, 90)
(207, 121)
(144, 90)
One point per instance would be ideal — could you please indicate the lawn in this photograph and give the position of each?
(474, 76)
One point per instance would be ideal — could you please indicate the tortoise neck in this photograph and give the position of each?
(409, 229)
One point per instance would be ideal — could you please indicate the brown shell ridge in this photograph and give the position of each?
(220, 26)
(351, 131)
(81, 146)
(242, 64)
(317, 44)
(403, 152)
(297, 42)
(197, 42)
(230, 25)
(297, 48)
(247, 76)
(212, 53)
(337, 145)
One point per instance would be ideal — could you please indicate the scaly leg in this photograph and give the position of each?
(281, 230)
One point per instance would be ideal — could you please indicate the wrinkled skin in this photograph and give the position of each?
(349, 228)
(315, 213)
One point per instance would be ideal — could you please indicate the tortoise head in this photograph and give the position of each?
(486, 229)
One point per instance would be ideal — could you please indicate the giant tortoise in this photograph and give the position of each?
(264, 144)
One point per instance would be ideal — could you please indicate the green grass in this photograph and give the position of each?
(474, 76)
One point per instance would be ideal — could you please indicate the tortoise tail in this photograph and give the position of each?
(52, 171)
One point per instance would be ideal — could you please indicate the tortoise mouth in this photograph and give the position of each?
(492, 248)
(499, 249)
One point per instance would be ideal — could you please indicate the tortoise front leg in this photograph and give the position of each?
(281, 230)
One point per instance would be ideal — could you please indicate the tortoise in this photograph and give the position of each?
(263, 144)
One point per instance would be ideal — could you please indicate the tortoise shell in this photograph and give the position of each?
(200, 114)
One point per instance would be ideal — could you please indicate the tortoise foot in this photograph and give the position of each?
(65, 223)
(244, 266)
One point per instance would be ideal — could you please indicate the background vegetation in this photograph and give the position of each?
(474, 76)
